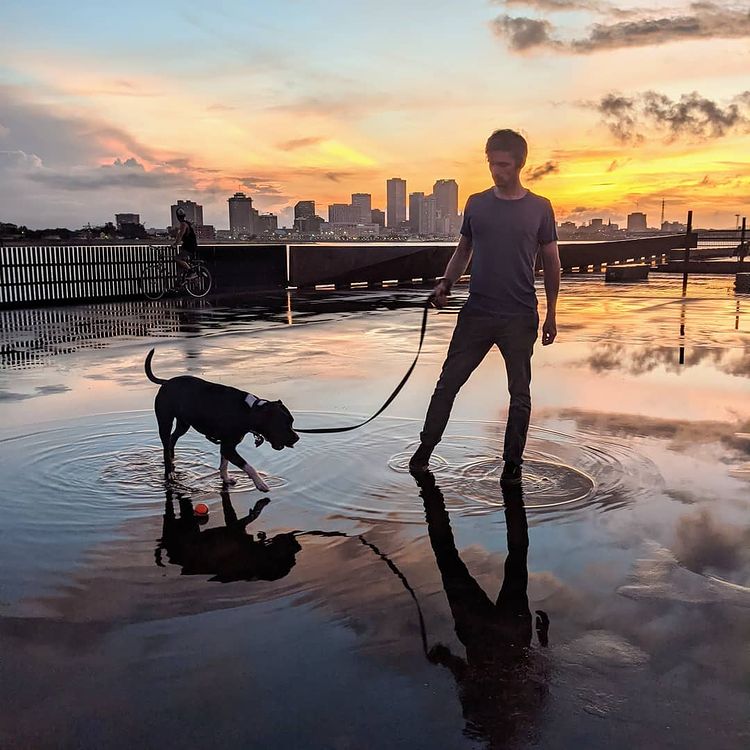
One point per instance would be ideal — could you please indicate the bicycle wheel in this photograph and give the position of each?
(153, 281)
(199, 282)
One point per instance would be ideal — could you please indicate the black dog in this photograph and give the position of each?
(223, 414)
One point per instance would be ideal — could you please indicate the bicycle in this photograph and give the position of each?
(160, 277)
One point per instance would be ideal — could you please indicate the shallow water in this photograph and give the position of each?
(360, 609)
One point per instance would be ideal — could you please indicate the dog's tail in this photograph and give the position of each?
(149, 374)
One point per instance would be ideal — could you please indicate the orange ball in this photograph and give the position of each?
(201, 509)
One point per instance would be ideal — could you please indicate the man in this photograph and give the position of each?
(503, 230)
(187, 243)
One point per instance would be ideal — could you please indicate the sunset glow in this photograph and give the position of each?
(100, 112)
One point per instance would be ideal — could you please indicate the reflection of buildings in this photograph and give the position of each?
(502, 681)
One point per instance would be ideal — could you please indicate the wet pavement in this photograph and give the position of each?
(606, 606)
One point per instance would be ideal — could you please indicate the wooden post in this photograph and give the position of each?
(687, 252)
(742, 251)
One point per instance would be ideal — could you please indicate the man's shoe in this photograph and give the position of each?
(420, 461)
(511, 476)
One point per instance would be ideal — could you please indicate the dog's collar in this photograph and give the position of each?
(252, 401)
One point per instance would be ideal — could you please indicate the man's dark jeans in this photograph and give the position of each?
(473, 337)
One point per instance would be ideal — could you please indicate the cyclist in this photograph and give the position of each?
(187, 245)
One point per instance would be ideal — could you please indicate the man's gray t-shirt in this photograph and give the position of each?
(505, 237)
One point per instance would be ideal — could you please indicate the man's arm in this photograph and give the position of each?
(453, 271)
(551, 265)
(180, 234)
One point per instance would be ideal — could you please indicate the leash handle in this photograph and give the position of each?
(328, 430)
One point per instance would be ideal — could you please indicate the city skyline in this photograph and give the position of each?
(623, 107)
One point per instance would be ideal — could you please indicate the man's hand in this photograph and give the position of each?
(549, 330)
(440, 293)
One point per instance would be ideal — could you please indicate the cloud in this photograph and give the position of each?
(553, 6)
(299, 143)
(629, 119)
(524, 33)
(19, 160)
(709, 21)
(536, 173)
(706, 21)
(703, 542)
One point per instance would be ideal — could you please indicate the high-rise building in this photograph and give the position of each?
(193, 213)
(121, 219)
(304, 209)
(446, 197)
(446, 206)
(416, 204)
(396, 205)
(241, 215)
(637, 222)
(428, 219)
(362, 205)
(342, 213)
(377, 217)
(266, 223)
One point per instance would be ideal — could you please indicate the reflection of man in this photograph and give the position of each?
(228, 552)
(504, 229)
(501, 681)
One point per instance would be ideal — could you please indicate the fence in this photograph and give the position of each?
(38, 275)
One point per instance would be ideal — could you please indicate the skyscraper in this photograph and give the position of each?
(342, 213)
(362, 205)
(416, 204)
(396, 206)
(241, 215)
(304, 209)
(446, 206)
(193, 213)
(637, 222)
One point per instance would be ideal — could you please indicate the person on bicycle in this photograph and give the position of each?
(186, 243)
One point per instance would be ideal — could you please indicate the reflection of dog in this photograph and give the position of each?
(223, 414)
(227, 552)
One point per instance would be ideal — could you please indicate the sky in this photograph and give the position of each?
(108, 108)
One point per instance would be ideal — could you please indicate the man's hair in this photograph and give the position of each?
(508, 140)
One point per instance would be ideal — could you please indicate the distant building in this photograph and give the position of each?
(428, 219)
(242, 215)
(122, 219)
(205, 232)
(377, 217)
(446, 206)
(673, 227)
(308, 224)
(416, 205)
(396, 202)
(342, 213)
(362, 205)
(597, 223)
(193, 213)
(266, 223)
(304, 209)
(353, 230)
(637, 222)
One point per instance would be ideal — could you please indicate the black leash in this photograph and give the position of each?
(321, 430)
(391, 565)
